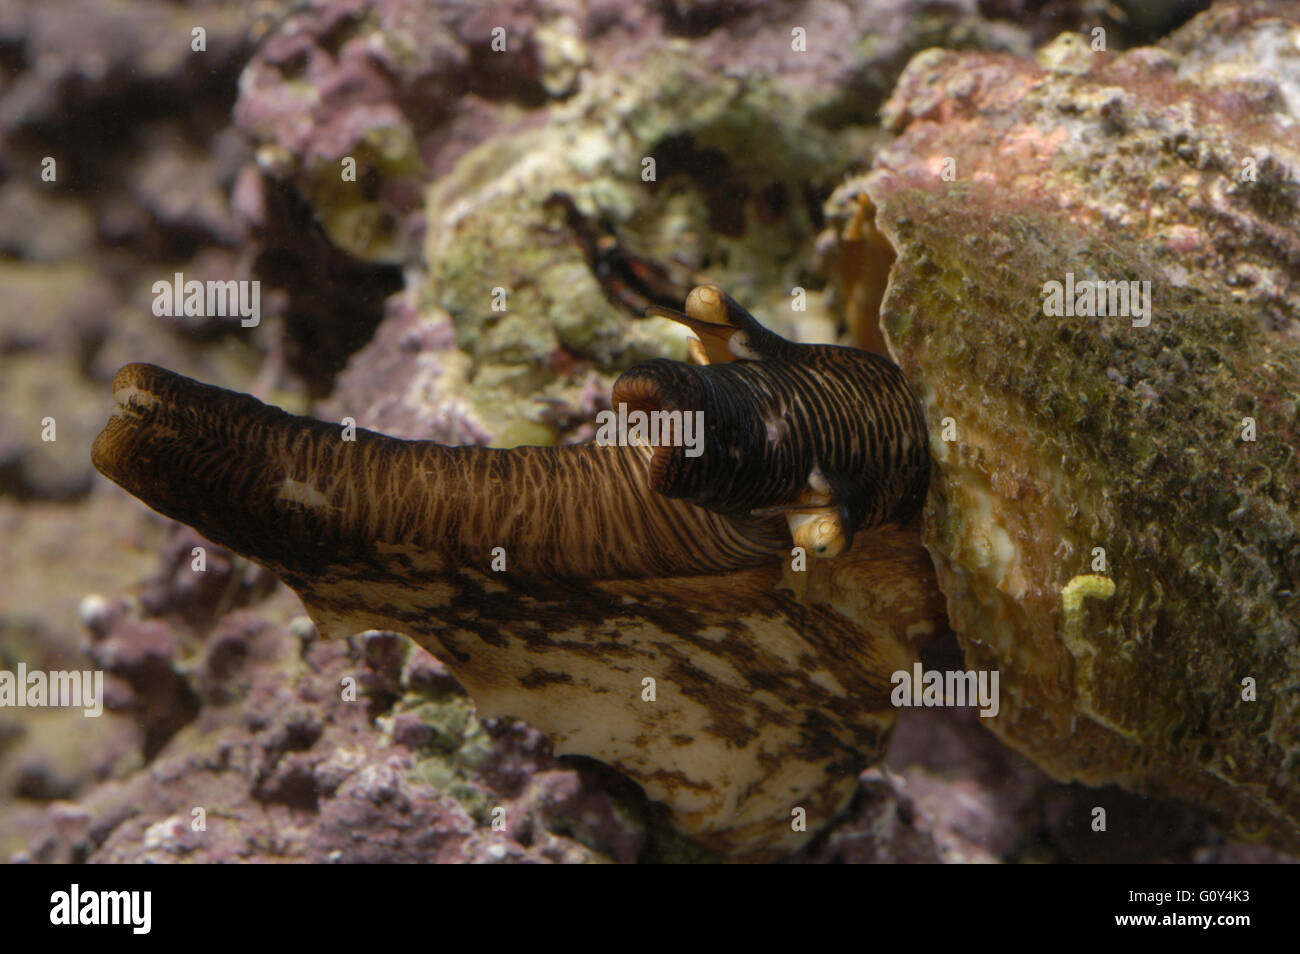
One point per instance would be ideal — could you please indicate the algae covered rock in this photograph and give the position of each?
(708, 154)
(526, 306)
(1113, 513)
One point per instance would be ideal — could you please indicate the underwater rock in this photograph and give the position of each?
(743, 122)
(285, 767)
(1143, 458)
(404, 88)
(39, 227)
(409, 380)
(323, 90)
(115, 147)
(47, 406)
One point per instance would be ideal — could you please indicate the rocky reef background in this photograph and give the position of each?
(224, 163)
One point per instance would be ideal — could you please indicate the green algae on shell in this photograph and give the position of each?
(1080, 432)
(1088, 452)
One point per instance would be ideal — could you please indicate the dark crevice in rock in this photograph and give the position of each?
(1127, 22)
(725, 193)
(688, 18)
(335, 302)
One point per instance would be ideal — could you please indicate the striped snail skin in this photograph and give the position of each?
(830, 436)
(619, 563)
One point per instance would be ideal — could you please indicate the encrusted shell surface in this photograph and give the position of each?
(1055, 436)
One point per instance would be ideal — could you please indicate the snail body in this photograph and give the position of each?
(555, 581)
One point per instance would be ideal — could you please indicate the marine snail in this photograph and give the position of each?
(640, 604)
